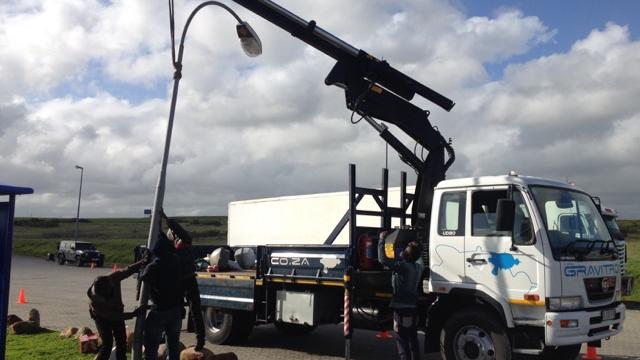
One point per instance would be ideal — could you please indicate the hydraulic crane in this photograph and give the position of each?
(376, 90)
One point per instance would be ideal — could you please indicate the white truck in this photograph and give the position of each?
(515, 264)
(544, 287)
(610, 215)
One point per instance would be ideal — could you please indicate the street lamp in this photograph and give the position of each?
(79, 195)
(252, 46)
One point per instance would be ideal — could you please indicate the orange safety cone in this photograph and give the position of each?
(383, 335)
(592, 354)
(115, 267)
(21, 297)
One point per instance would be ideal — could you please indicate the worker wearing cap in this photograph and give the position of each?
(182, 241)
(406, 279)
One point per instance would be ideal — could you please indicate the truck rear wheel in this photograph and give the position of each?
(474, 334)
(569, 352)
(223, 326)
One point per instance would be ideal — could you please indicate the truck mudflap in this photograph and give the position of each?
(575, 327)
(227, 292)
(303, 262)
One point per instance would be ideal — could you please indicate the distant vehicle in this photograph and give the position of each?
(610, 215)
(79, 252)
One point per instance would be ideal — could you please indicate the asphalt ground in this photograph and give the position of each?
(59, 293)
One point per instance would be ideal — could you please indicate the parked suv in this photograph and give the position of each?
(79, 252)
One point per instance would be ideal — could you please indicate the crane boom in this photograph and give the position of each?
(374, 89)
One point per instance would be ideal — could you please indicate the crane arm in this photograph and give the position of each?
(374, 89)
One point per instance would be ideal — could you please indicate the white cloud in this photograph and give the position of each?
(248, 128)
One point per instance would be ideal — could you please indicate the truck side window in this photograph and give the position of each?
(483, 212)
(483, 216)
(452, 210)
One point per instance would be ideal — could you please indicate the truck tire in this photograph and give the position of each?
(60, 259)
(293, 329)
(223, 326)
(568, 352)
(474, 334)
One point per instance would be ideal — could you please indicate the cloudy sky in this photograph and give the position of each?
(547, 89)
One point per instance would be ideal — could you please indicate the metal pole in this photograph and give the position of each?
(79, 196)
(136, 350)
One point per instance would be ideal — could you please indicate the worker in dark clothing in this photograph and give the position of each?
(162, 278)
(406, 280)
(107, 309)
(182, 242)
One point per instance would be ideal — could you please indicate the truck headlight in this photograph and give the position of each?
(565, 303)
(618, 295)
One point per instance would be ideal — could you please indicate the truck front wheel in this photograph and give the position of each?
(225, 326)
(474, 334)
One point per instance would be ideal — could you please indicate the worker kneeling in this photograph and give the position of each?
(406, 279)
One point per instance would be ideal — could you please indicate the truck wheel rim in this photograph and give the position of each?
(215, 320)
(473, 343)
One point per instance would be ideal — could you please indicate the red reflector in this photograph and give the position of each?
(532, 297)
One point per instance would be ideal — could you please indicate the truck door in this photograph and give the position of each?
(490, 264)
(447, 244)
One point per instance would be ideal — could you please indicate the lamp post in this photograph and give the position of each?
(79, 196)
(252, 47)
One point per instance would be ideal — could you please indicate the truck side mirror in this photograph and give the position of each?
(505, 218)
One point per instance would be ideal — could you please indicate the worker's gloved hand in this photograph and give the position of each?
(199, 344)
(140, 310)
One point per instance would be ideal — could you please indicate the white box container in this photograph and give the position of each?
(295, 307)
(298, 220)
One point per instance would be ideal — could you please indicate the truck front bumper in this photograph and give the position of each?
(590, 326)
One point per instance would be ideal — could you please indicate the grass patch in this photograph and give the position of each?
(115, 238)
(43, 346)
(631, 230)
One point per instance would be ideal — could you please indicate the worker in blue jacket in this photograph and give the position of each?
(406, 280)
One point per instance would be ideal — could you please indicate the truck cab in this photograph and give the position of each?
(553, 280)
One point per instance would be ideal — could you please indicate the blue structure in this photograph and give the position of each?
(6, 243)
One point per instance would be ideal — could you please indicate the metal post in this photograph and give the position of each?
(79, 196)
(136, 351)
(403, 198)
(6, 245)
(347, 329)
(352, 208)
(385, 222)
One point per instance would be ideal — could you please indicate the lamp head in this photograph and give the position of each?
(79, 167)
(249, 40)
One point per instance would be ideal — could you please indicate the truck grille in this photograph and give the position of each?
(621, 256)
(595, 289)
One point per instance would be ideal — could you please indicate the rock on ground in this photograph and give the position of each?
(68, 332)
(25, 327)
(12, 319)
(163, 354)
(34, 315)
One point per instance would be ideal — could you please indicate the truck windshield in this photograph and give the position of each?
(574, 225)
